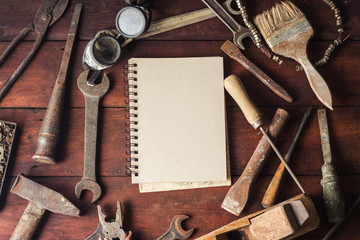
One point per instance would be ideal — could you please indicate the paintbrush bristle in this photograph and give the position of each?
(282, 16)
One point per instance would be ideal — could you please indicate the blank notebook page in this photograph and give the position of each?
(180, 119)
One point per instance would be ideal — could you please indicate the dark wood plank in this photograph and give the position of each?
(99, 15)
(149, 215)
(307, 158)
(34, 87)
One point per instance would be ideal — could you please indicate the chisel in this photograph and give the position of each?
(236, 89)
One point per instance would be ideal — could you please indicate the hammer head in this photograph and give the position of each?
(43, 197)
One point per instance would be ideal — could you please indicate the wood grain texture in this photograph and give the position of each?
(149, 215)
(99, 15)
(34, 87)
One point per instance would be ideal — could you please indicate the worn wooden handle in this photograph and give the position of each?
(237, 197)
(236, 89)
(272, 191)
(28, 222)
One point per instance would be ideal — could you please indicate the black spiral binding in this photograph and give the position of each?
(131, 124)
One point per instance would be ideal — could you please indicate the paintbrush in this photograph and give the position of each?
(287, 32)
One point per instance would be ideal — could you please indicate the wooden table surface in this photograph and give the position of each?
(149, 215)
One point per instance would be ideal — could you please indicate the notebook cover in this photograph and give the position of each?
(180, 115)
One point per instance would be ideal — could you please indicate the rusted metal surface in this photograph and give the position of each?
(7, 134)
(92, 95)
(49, 134)
(110, 229)
(41, 198)
(299, 208)
(175, 230)
(332, 193)
(272, 191)
(236, 198)
(234, 52)
(49, 12)
(238, 31)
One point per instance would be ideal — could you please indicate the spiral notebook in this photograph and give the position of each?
(177, 120)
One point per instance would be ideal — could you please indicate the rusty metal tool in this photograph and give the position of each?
(238, 31)
(237, 90)
(110, 229)
(337, 225)
(49, 134)
(7, 135)
(238, 195)
(48, 13)
(286, 220)
(175, 230)
(92, 95)
(332, 193)
(272, 191)
(233, 52)
(41, 199)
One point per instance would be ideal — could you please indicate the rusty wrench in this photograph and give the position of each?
(238, 31)
(92, 95)
(175, 230)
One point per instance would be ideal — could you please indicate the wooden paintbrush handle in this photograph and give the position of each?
(236, 198)
(317, 83)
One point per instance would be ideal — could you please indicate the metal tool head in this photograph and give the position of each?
(97, 90)
(87, 184)
(112, 229)
(177, 230)
(55, 8)
(43, 197)
(240, 35)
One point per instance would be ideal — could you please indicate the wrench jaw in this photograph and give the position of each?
(87, 184)
(239, 36)
(180, 232)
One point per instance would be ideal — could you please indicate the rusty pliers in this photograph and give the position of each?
(109, 230)
(47, 14)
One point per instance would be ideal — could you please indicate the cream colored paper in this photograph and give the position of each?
(181, 120)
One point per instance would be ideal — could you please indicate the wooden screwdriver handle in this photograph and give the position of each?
(236, 89)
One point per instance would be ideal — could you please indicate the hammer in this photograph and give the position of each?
(41, 198)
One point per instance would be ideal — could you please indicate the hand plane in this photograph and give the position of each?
(286, 220)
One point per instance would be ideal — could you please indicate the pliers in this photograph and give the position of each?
(47, 14)
(109, 230)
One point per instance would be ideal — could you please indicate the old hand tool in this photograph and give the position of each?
(237, 90)
(49, 134)
(48, 13)
(238, 195)
(41, 199)
(286, 220)
(337, 225)
(287, 32)
(92, 95)
(272, 191)
(175, 230)
(7, 135)
(112, 229)
(332, 193)
(238, 31)
(233, 51)
(108, 53)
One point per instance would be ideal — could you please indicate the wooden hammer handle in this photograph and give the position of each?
(236, 198)
(28, 222)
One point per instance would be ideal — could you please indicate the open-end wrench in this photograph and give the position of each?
(239, 31)
(175, 230)
(92, 95)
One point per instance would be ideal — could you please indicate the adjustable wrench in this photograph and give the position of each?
(239, 31)
(92, 95)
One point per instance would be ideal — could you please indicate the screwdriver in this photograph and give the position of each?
(237, 91)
